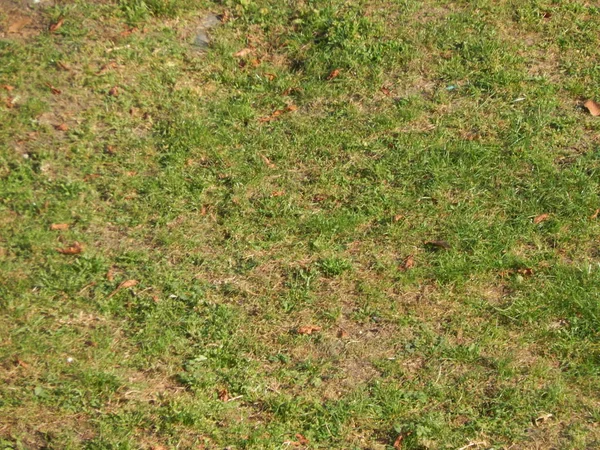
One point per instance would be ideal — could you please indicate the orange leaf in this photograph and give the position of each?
(408, 263)
(127, 284)
(55, 26)
(333, 74)
(110, 275)
(268, 162)
(113, 92)
(19, 24)
(308, 329)
(592, 107)
(74, 249)
(301, 439)
(277, 193)
(342, 334)
(243, 52)
(525, 271)
(270, 76)
(386, 91)
(7, 87)
(59, 226)
(54, 90)
(62, 127)
(540, 218)
(595, 215)
(398, 442)
(223, 395)
(63, 66)
(23, 364)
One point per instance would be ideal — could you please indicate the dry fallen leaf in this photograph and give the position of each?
(542, 419)
(398, 442)
(268, 162)
(61, 65)
(437, 244)
(7, 87)
(59, 226)
(540, 218)
(408, 263)
(270, 76)
(127, 284)
(308, 329)
(277, 193)
(526, 271)
(342, 334)
(55, 26)
(110, 275)
(19, 24)
(62, 127)
(301, 439)
(75, 249)
(277, 113)
(106, 67)
(334, 73)
(243, 52)
(595, 215)
(592, 107)
(113, 92)
(54, 90)
(223, 395)
(23, 364)
(386, 91)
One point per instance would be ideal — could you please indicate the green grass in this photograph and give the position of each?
(448, 121)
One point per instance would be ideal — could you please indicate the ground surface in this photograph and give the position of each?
(347, 224)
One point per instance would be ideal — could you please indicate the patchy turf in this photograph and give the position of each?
(345, 224)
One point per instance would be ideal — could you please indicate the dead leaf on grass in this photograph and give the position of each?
(386, 91)
(277, 193)
(243, 52)
(75, 249)
(124, 285)
(110, 275)
(595, 215)
(62, 127)
(59, 226)
(268, 162)
(19, 24)
(61, 65)
(526, 271)
(308, 329)
(542, 419)
(22, 364)
(398, 442)
(592, 107)
(302, 440)
(277, 113)
(223, 395)
(437, 245)
(54, 90)
(408, 263)
(541, 218)
(334, 73)
(270, 76)
(7, 87)
(127, 284)
(56, 25)
(106, 68)
(114, 91)
(342, 334)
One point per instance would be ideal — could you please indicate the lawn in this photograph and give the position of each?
(359, 224)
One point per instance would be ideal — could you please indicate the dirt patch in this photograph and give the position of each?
(22, 19)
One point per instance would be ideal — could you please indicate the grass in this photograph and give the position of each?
(256, 195)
